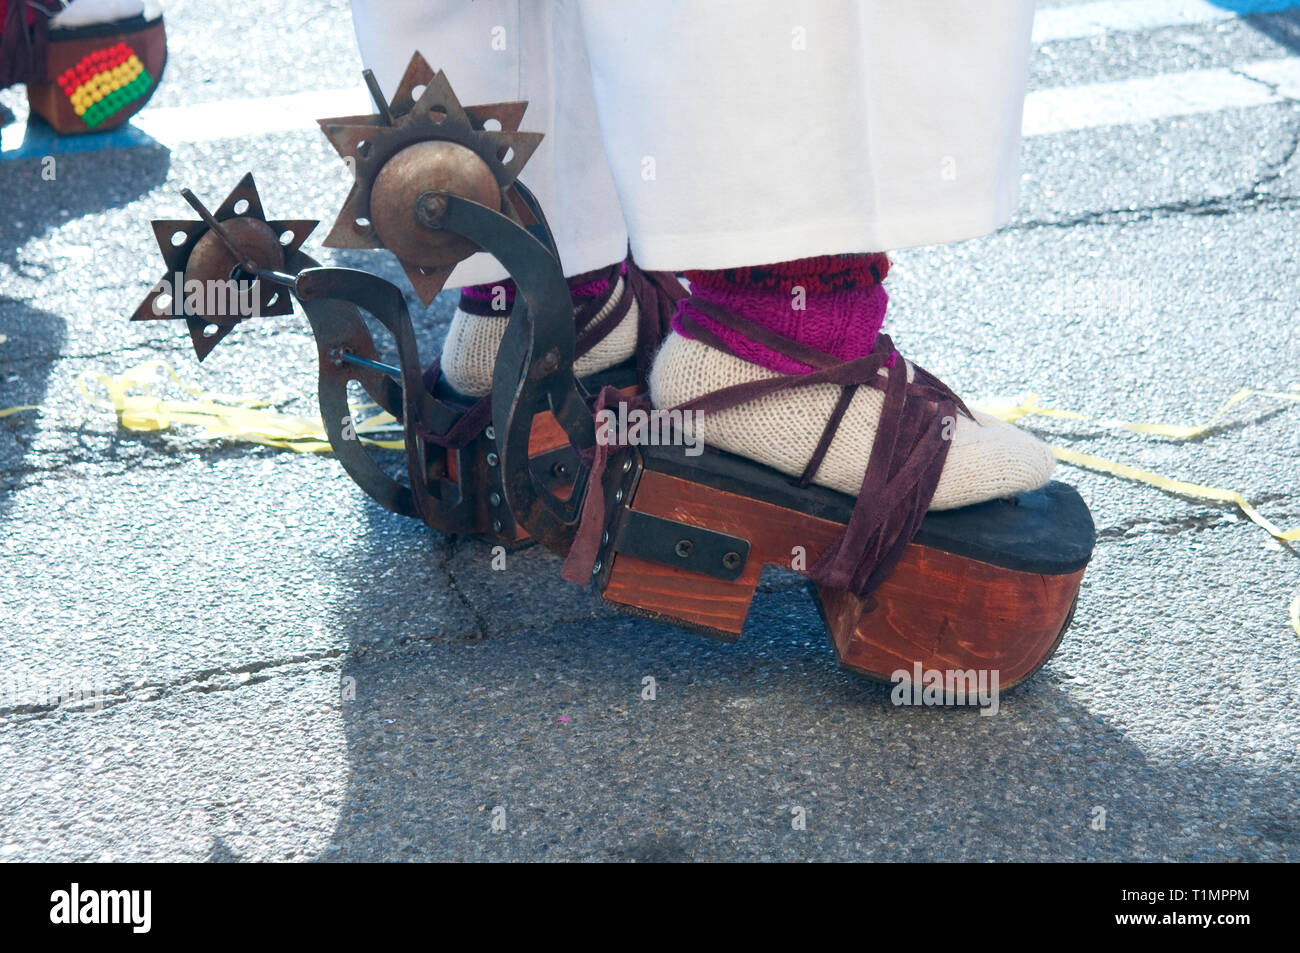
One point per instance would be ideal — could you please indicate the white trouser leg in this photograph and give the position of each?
(498, 50)
(742, 132)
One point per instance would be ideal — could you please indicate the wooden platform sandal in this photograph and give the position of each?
(682, 539)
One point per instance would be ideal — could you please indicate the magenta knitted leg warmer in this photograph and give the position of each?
(833, 303)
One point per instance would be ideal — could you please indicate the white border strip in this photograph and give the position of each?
(232, 118)
(1047, 111)
(1128, 16)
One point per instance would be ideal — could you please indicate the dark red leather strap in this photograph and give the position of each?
(468, 426)
(913, 436)
(656, 294)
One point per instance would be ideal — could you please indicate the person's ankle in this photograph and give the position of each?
(782, 429)
(477, 327)
(832, 303)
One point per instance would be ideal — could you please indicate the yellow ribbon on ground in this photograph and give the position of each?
(225, 418)
(1212, 493)
(1030, 407)
(131, 396)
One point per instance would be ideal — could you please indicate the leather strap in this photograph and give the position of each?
(467, 426)
(657, 294)
(913, 437)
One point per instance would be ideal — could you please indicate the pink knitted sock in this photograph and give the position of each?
(833, 303)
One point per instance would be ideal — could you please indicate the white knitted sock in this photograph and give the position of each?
(470, 351)
(987, 460)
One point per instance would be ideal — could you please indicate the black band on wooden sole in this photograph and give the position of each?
(986, 587)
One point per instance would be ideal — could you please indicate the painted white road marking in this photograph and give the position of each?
(1130, 101)
(1282, 74)
(1062, 109)
(250, 117)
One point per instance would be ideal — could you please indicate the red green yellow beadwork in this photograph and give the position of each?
(104, 82)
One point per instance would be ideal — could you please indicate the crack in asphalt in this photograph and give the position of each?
(59, 469)
(204, 681)
(1139, 526)
(1251, 198)
(233, 678)
(50, 358)
(481, 625)
(1217, 206)
(48, 466)
(1273, 174)
(227, 678)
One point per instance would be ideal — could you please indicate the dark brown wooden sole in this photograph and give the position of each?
(940, 609)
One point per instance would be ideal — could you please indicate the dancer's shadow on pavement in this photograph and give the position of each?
(40, 194)
(543, 730)
(44, 192)
(32, 342)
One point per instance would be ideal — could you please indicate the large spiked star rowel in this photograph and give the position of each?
(424, 141)
(193, 252)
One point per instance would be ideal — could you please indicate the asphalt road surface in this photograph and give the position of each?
(279, 670)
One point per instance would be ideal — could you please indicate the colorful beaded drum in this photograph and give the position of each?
(99, 76)
(104, 82)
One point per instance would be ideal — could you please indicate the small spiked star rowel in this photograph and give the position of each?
(212, 265)
(421, 144)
